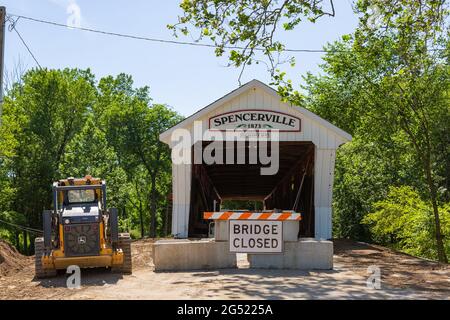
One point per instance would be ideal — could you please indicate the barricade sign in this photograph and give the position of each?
(256, 236)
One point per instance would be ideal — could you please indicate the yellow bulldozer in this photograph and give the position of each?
(81, 230)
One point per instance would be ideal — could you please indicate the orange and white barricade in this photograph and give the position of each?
(249, 215)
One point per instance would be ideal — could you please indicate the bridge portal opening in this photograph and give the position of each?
(216, 187)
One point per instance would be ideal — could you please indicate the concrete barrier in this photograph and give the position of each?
(221, 230)
(303, 254)
(290, 230)
(178, 255)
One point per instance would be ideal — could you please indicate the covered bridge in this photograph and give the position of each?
(307, 151)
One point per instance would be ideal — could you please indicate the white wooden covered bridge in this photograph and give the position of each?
(307, 149)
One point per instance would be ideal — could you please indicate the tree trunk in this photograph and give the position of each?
(442, 257)
(31, 245)
(25, 243)
(141, 218)
(166, 220)
(425, 156)
(124, 216)
(153, 206)
(17, 239)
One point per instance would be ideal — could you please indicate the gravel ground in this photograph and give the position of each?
(403, 277)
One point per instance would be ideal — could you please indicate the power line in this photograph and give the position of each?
(20, 226)
(12, 26)
(28, 49)
(123, 35)
(31, 230)
(136, 37)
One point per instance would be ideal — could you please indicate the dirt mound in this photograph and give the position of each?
(11, 260)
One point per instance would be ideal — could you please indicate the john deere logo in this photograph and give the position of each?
(81, 239)
(255, 119)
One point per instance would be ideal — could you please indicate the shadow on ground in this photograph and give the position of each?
(89, 277)
(284, 284)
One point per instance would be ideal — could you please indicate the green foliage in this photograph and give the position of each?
(364, 171)
(405, 221)
(60, 123)
(89, 153)
(132, 129)
(242, 205)
(246, 28)
(40, 117)
(388, 84)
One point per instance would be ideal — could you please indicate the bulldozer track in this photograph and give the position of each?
(124, 244)
(39, 251)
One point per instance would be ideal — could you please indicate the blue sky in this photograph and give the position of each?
(184, 77)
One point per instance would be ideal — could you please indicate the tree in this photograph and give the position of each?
(364, 172)
(391, 82)
(40, 117)
(247, 28)
(60, 123)
(405, 220)
(89, 153)
(412, 38)
(133, 128)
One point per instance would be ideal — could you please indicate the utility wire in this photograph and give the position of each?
(196, 44)
(123, 35)
(20, 226)
(136, 37)
(31, 230)
(12, 26)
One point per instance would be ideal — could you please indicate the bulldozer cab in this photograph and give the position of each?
(79, 200)
(80, 197)
(81, 230)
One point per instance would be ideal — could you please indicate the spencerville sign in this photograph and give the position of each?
(255, 119)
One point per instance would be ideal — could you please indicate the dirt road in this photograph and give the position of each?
(403, 277)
